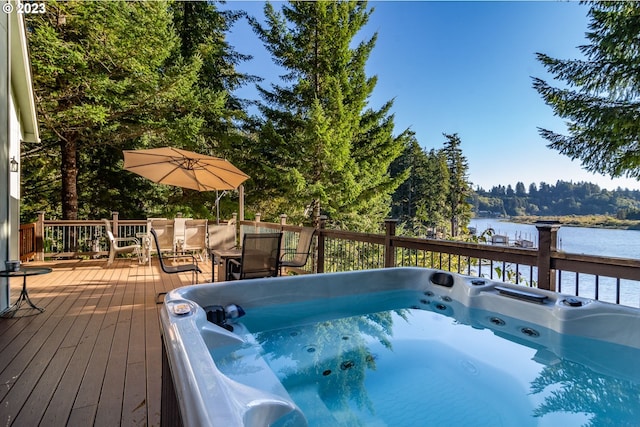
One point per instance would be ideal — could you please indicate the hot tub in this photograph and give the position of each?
(397, 346)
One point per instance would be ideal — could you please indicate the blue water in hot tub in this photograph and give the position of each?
(399, 359)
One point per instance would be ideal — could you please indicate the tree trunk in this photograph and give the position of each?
(69, 170)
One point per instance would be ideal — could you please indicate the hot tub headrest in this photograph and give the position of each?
(442, 279)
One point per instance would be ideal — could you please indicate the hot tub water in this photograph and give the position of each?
(404, 359)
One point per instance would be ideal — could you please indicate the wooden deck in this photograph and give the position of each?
(94, 356)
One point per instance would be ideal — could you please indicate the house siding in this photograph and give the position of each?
(17, 123)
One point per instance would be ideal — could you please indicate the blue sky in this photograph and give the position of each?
(465, 68)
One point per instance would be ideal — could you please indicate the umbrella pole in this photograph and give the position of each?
(218, 197)
(217, 208)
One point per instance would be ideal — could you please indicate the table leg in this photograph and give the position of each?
(24, 297)
(222, 270)
(213, 268)
(220, 263)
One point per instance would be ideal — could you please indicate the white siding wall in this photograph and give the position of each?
(15, 136)
(17, 123)
(5, 144)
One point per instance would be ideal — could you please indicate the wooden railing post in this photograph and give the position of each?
(547, 245)
(283, 219)
(40, 236)
(389, 250)
(258, 215)
(322, 222)
(114, 223)
(241, 201)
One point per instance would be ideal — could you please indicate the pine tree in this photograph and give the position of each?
(111, 76)
(403, 200)
(459, 209)
(601, 97)
(96, 76)
(201, 29)
(321, 147)
(434, 191)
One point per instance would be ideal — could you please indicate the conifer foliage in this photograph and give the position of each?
(434, 200)
(323, 149)
(601, 98)
(459, 209)
(120, 75)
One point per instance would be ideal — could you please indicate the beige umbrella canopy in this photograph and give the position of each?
(182, 168)
(186, 169)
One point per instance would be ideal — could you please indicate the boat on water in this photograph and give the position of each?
(519, 241)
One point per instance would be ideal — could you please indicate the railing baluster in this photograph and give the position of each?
(559, 280)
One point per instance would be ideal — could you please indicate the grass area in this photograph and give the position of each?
(593, 221)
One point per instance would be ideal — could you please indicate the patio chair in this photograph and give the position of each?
(164, 231)
(195, 237)
(179, 226)
(180, 268)
(115, 248)
(260, 257)
(296, 258)
(221, 237)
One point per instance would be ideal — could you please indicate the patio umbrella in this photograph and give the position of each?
(186, 169)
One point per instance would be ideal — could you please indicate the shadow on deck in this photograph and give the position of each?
(93, 357)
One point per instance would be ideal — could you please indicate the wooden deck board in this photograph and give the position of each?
(94, 356)
(104, 393)
(83, 341)
(23, 373)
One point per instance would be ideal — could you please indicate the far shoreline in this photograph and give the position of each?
(587, 221)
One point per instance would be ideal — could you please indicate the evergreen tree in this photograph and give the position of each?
(434, 190)
(601, 98)
(201, 28)
(404, 199)
(563, 198)
(115, 75)
(320, 146)
(102, 81)
(459, 209)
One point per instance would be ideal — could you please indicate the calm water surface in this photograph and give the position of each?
(582, 240)
(577, 240)
(417, 367)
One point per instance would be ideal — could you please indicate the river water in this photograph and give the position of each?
(581, 240)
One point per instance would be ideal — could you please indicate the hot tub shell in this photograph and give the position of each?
(206, 397)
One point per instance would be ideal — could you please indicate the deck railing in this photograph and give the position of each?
(27, 241)
(615, 280)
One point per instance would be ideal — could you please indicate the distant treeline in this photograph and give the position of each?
(563, 198)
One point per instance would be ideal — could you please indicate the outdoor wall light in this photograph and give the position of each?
(13, 164)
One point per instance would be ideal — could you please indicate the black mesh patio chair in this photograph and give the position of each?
(260, 257)
(180, 268)
(296, 258)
